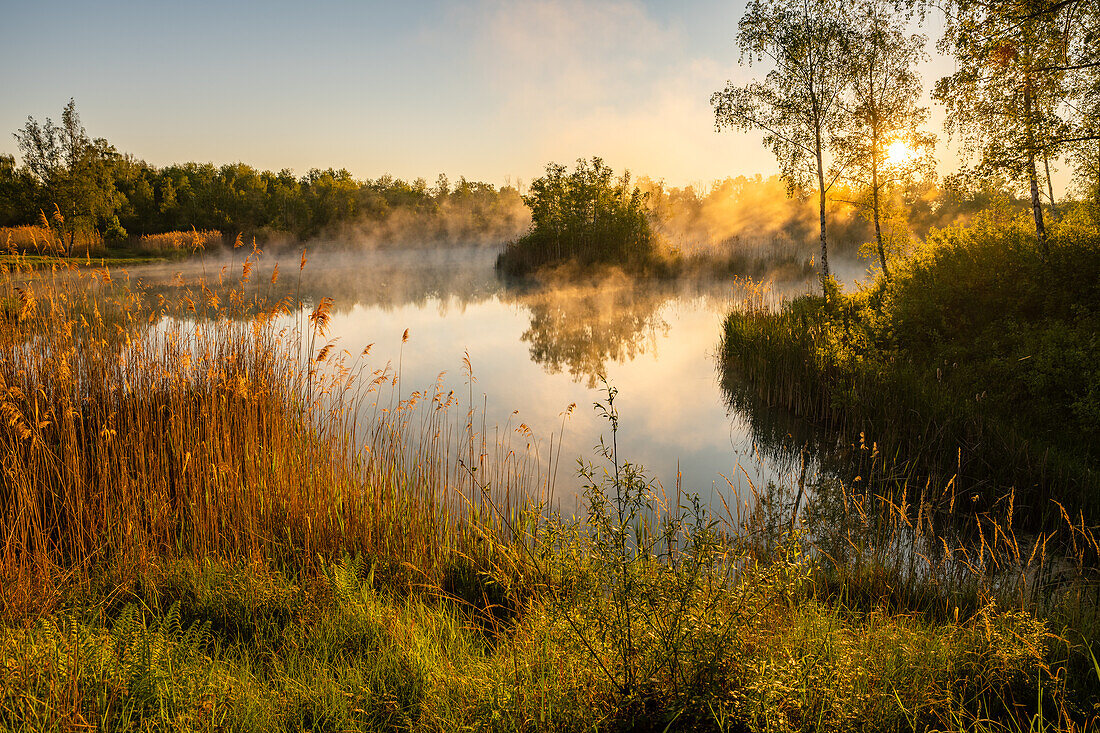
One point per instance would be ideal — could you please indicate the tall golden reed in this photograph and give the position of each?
(136, 429)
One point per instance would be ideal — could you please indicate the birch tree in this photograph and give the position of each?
(1011, 101)
(884, 142)
(798, 102)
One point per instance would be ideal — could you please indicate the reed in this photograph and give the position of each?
(137, 430)
(215, 518)
(180, 242)
(46, 240)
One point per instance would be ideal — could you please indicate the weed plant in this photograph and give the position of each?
(212, 520)
(976, 364)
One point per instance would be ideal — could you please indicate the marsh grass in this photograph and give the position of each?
(213, 518)
(46, 240)
(136, 429)
(179, 243)
(974, 366)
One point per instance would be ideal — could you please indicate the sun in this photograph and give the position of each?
(899, 153)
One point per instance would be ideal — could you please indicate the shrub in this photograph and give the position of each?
(115, 234)
(978, 360)
(588, 217)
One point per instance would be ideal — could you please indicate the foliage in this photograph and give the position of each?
(978, 361)
(1023, 89)
(114, 232)
(88, 183)
(72, 170)
(884, 115)
(587, 217)
(660, 580)
(798, 105)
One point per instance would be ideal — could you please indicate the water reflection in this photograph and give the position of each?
(581, 329)
(535, 350)
(779, 436)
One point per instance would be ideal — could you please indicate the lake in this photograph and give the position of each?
(535, 351)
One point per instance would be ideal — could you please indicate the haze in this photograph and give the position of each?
(489, 90)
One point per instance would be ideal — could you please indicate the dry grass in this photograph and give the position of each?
(184, 242)
(45, 240)
(136, 431)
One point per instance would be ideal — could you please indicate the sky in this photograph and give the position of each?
(488, 89)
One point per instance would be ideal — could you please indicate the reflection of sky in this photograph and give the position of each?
(672, 411)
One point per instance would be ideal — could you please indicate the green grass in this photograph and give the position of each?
(246, 648)
(195, 539)
(47, 261)
(976, 365)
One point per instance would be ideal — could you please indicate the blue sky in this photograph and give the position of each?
(489, 89)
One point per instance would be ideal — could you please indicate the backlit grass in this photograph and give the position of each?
(214, 519)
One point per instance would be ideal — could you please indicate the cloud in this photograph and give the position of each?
(568, 56)
(589, 77)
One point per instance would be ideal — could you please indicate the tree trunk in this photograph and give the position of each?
(875, 209)
(1037, 204)
(821, 201)
(875, 206)
(1033, 175)
(1050, 186)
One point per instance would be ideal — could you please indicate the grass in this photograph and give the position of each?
(975, 365)
(216, 522)
(179, 243)
(45, 246)
(24, 262)
(127, 443)
(338, 654)
(44, 240)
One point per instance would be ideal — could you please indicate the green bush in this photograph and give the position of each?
(979, 358)
(588, 217)
(115, 234)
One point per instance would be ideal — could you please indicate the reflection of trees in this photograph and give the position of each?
(574, 328)
(580, 329)
(854, 502)
(778, 435)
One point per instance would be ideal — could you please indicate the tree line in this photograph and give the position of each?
(83, 184)
(840, 98)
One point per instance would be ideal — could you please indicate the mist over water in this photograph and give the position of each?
(537, 349)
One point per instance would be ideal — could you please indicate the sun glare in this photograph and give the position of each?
(899, 153)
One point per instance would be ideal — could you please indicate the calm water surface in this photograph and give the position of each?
(535, 351)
